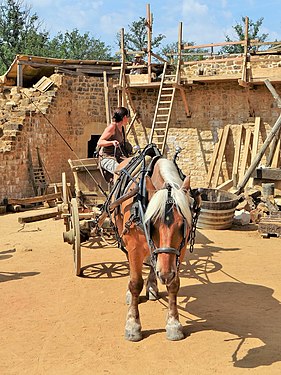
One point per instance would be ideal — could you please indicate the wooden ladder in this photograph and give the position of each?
(162, 115)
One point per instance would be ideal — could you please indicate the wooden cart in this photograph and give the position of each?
(80, 213)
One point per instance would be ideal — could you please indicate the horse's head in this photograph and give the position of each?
(168, 219)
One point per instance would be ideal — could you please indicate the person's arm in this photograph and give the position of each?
(108, 132)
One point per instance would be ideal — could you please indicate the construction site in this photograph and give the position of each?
(221, 116)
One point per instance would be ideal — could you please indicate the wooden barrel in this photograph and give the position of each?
(217, 209)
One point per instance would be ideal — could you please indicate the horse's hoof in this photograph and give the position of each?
(152, 294)
(133, 333)
(174, 332)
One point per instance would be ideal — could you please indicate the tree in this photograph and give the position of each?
(73, 45)
(19, 32)
(136, 38)
(253, 33)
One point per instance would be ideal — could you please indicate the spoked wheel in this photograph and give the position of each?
(76, 232)
(66, 203)
(108, 236)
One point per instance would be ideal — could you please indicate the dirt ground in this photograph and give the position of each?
(53, 322)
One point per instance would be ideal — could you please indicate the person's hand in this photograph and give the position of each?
(115, 143)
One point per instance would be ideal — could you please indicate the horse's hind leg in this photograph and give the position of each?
(133, 325)
(174, 329)
(151, 286)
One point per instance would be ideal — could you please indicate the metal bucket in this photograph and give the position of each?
(217, 209)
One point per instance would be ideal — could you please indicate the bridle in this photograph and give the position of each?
(154, 251)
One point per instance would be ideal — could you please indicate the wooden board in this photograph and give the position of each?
(237, 151)
(255, 144)
(220, 156)
(245, 153)
(38, 199)
(214, 159)
(37, 216)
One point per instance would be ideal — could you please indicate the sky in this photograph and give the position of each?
(204, 21)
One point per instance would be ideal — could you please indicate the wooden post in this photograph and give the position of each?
(122, 70)
(236, 157)
(276, 139)
(178, 75)
(19, 74)
(149, 33)
(106, 98)
(244, 78)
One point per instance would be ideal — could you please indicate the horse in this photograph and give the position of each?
(161, 234)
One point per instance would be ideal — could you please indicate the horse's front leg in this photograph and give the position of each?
(174, 330)
(133, 325)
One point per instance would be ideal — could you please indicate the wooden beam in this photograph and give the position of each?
(237, 151)
(220, 155)
(241, 42)
(214, 159)
(19, 74)
(31, 200)
(149, 35)
(186, 108)
(246, 152)
(106, 98)
(255, 144)
(276, 157)
(37, 216)
(267, 174)
(225, 185)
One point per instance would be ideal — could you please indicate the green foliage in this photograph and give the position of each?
(73, 45)
(21, 33)
(136, 38)
(253, 34)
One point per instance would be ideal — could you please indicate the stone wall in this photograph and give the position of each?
(212, 107)
(66, 115)
(75, 106)
(230, 66)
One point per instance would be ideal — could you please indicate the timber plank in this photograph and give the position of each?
(38, 199)
(37, 216)
(214, 159)
(220, 155)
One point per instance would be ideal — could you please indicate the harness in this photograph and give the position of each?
(154, 251)
(141, 200)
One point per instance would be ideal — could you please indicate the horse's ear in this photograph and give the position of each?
(186, 184)
(149, 186)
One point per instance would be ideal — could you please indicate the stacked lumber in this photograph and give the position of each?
(238, 147)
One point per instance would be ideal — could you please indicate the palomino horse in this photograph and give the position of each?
(162, 233)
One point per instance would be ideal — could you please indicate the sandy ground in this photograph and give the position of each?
(53, 322)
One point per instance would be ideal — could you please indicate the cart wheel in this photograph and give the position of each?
(109, 237)
(65, 198)
(76, 228)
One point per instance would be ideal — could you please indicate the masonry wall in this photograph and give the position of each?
(65, 116)
(212, 107)
(75, 106)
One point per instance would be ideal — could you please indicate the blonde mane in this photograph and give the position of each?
(156, 206)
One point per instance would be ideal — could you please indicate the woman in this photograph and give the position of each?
(112, 143)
